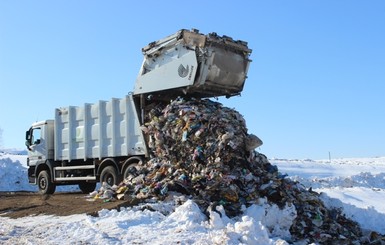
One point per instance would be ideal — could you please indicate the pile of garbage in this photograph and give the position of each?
(203, 150)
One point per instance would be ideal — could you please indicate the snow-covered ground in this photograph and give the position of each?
(356, 185)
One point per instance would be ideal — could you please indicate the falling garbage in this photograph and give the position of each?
(203, 150)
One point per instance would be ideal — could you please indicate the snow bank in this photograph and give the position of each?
(13, 174)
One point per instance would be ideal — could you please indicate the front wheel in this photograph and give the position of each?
(44, 183)
(109, 175)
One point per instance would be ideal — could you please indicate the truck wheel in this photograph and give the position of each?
(87, 187)
(45, 184)
(109, 176)
(131, 170)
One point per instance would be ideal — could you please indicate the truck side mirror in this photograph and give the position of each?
(28, 139)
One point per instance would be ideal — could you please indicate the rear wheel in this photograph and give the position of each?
(109, 175)
(44, 183)
(87, 187)
(131, 170)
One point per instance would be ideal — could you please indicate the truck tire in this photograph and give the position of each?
(44, 183)
(109, 176)
(87, 187)
(131, 170)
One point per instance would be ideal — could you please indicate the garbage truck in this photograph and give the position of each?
(103, 141)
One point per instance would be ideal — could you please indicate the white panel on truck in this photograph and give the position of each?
(104, 129)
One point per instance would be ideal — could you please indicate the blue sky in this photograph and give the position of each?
(316, 84)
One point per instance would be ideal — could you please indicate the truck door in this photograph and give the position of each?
(36, 145)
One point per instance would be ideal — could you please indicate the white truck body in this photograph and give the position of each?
(96, 131)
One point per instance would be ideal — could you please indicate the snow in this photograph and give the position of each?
(356, 185)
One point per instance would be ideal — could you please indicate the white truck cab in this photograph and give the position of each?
(39, 141)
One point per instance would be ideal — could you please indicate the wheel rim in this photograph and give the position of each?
(110, 179)
(43, 183)
(131, 170)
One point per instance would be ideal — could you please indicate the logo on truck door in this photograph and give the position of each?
(183, 71)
